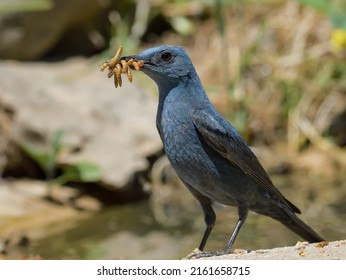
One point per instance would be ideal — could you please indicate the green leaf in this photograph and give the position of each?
(335, 9)
(182, 25)
(25, 6)
(41, 157)
(84, 172)
(320, 5)
(338, 19)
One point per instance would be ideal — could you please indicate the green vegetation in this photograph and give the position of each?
(25, 6)
(47, 159)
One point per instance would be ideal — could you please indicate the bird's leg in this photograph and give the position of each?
(209, 214)
(242, 213)
(209, 218)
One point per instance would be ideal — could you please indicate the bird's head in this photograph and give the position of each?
(165, 64)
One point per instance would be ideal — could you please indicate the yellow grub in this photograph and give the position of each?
(116, 68)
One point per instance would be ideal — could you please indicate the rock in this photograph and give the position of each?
(335, 250)
(30, 30)
(20, 198)
(111, 128)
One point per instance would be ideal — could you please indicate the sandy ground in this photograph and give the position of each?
(335, 250)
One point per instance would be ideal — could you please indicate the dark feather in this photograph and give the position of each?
(224, 139)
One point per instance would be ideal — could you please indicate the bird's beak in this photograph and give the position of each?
(127, 58)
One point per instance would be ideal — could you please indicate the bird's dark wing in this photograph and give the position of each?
(224, 139)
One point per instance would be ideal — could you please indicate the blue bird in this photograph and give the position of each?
(206, 151)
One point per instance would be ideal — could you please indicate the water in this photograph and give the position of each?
(171, 226)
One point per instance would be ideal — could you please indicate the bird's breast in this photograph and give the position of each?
(183, 147)
(195, 163)
(178, 133)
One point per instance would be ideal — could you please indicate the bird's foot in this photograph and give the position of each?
(197, 254)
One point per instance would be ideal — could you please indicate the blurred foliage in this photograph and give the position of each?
(83, 172)
(335, 9)
(338, 40)
(47, 160)
(279, 63)
(25, 6)
(278, 75)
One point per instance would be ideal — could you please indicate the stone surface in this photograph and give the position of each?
(29, 29)
(335, 250)
(112, 128)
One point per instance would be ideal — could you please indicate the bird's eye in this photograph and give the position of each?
(166, 56)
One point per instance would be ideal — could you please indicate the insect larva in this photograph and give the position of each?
(110, 73)
(124, 66)
(140, 63)
(118, 74)
(115, 59)
(131, 60)
(116, 68)
(129, 75)
(115, 81)
(136, 66)
(104, 66)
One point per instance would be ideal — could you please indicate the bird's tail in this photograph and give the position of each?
(295, 224)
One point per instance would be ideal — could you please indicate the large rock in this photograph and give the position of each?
(335, 250)
(29, 29)
(112, 128)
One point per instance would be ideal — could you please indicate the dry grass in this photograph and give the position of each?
(273, 73)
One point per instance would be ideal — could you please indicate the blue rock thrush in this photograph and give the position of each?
(207, 152)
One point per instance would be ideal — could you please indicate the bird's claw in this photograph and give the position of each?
(206, 254)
